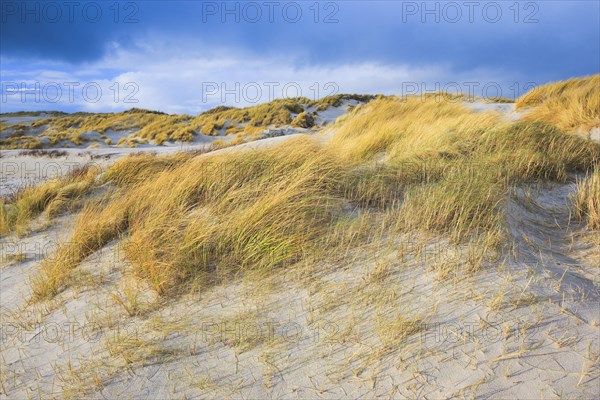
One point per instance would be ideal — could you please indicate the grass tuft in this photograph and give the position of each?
(51, 197)
(587, 200)
(572, 105)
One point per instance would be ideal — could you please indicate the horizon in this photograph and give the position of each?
(186, 58)
(139, 109)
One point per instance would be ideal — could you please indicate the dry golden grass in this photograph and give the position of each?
(250, 120)
(453, 165)
(275, 113)
(587, 200)
(303, 120)
(394, 329)
(572, 105)
(413, 128)
(95, 227)
(336, 100)
(137, 168)
(211, 213)
(151, 125)
(499, 100)
(134, 349)
(393, 166)
(20, 142)
(51, 197)
(238, 139)
(145, 126)
(232, 212)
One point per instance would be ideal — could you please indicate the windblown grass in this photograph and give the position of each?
(95, 227)
(51, 197)
(234, 213)
(415, 127)
(587, 200)
(303, 120)
(455, 166)
(225, 213)
(137, 168)
(572, 105)
(393, 166)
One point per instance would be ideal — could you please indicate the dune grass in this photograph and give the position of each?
(505, 100)
(20, 142)
(51, 197)
(159, 127)
(572, 105)
(274, 113)
(410, 128)
(277, 112)
(303, 120)
(393, 166)
(209, 214)
(137, 168)
(143, 124)
(95, 226)
(456, 166)
(587, 200)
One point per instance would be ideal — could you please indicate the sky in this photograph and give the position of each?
(190, 56)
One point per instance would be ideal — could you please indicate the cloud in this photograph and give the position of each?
(172, 61)
(192, 82)
(524, 37)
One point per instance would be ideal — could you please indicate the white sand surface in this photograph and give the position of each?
(507, 110)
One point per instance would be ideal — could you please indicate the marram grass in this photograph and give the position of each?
(143, 126)
(572, 105)
(393, 166)
(50, 197)
(587, 200)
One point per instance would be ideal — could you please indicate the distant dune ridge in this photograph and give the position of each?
(421, 246)
(142, 127)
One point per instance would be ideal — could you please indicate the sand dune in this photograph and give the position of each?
(394, 318)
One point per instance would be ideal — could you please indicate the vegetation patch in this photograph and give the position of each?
(572, 105)
(587, 200)
(51, 197)
(304, 120)
(146, 125)
(395, 166)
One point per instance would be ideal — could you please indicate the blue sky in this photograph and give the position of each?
(188, 56)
